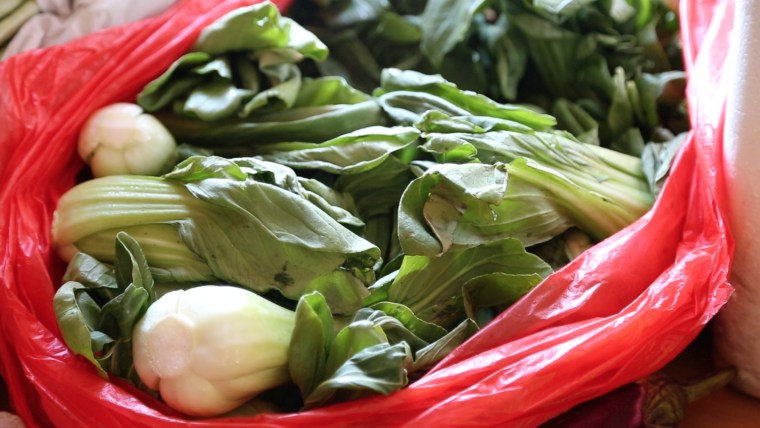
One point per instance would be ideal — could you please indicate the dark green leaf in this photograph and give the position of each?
(119, 316)
(657, 159)
(426, 331)
(76, 314)
(102, 334)
(90, 272)
(378, 190)
(328, 91)
(621, 115)
(352, 339)
(463, 102)
(438, 121)
(574, 119)
(495, 291)
(509, 52)
(569, 171)
(455, 206)
(399, 29)
(408, 107)
(554, 50)
(281, 96)
(351, 153)
(173, 83)
(261, 231)
(428, 356)
(351, 59)
(449, 148)
(258, 27)
(379, 289)
(345, 292)
(427, 285)
(658, 93)
(338, 205)
(379, 368)
(310, 343)
(245, 71)
(120, 363)
(212, 101)
(414, 235)
(445, 24)
(393, 327)
(131, 267)
(629, 142)
(309, 124)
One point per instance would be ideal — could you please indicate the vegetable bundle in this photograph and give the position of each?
(470, 377)
(610, 71)
(392, 243)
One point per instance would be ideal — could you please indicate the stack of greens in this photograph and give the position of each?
(610, 71)
(393, 223)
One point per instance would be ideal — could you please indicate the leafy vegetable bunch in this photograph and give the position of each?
(610, 71)
(370, 233)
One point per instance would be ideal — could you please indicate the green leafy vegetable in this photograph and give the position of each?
(311, 342)
(249, 221)
(454, 206)
(351, 153)
(241, 82)
(561, 181)
(357, 358)
(432, 286)
(402, 192)
(601, 57)
(376, 194)
(378, 367)
(428, 356)
(434, 89)
(308, 124)
(98, 306)
(258, 27)
(447, 22)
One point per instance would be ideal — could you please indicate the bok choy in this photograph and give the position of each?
(380, 228)
(244, 221)
(241, 83)
(182, 347)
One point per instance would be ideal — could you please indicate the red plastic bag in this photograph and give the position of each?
(619, 312)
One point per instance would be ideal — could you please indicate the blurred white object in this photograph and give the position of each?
(737, 326)
(64, 20)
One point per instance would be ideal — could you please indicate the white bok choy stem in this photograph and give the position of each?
(210, 349)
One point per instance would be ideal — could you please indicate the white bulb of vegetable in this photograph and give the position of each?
(122, 139)
(209, 349)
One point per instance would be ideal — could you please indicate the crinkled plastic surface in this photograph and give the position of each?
(619, 312)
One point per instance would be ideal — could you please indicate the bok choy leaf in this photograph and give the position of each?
(249, 222)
